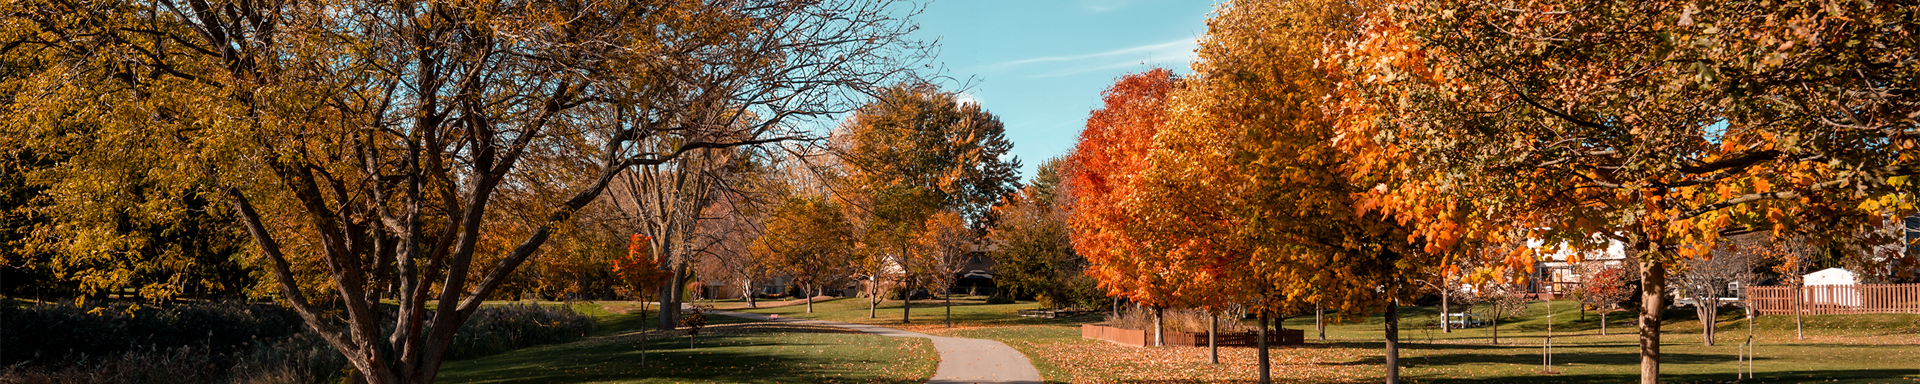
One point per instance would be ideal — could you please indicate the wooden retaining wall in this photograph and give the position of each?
(1143, 338)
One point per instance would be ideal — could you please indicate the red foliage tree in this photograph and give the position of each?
(1105, 177)
(641, 271)
(1604, 290)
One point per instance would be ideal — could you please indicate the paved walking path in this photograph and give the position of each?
(962, 360)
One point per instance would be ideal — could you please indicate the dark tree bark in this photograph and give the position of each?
(1393, 341)
(1213, 327)
(1266, 366)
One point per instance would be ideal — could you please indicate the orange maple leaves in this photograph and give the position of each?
(1105, 171)
(640, 270)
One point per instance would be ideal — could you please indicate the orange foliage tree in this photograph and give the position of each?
(809, 239)
(640, 271)
(1248, 171)
(1661, 124)
(1105, 172)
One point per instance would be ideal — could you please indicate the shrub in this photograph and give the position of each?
(58, 332)
(899, 294)
(225, 343)
(1000, 299)
(302, 359)
(504, 328)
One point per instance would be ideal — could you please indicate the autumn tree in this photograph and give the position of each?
(1792, 259)
(1448, 282)
(671, 202)
(730, 228)
(941, 248)
(1660, 124)
(1605, 288)
(364, 145)
(808, 238)
(1032, 251)
(1707, 279)
(639, 272)
(1105, 172)
(67, 234)
(1504, 299)
(912, 153)
(134, 231)
(1249, 165)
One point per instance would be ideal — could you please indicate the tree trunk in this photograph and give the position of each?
(1603, 322)
(1266, 367)
(949, 309)
(1706, 321)
(873, 296)
(1320, 320)
(747, 293)
(1799, 305)
(670, 298)
(906, 305)
(803, 291)
(1157, 324)
(1653, 282)
(1446, 317)
(1494, 323)
(1393, 341)
(1213, 327)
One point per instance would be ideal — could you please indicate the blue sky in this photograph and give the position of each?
(1040, 64)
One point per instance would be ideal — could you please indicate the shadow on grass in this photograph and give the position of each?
(1855, 376)
(1843, 376)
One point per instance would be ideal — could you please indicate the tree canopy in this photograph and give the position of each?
(370, 149)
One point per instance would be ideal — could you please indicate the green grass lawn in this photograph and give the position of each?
(1838, 348)
(1879, 348)
(1875, 348)
(730, 350)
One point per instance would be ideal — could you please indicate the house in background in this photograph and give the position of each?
(1556, 275)
(975, 276)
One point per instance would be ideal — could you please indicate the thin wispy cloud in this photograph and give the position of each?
(1162, 60)
(1173, 50)
(1103, 5)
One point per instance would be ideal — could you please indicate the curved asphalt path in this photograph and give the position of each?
(962, 360)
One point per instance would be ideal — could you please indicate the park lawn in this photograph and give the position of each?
(1852, 348)
(1678, 325)
(1874, 348)
(1062, 356)
(731, 350)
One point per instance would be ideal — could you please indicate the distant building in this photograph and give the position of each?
(1833, 276)
(976, 275)
(1556, 275)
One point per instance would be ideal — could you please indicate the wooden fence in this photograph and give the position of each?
(1835, 299)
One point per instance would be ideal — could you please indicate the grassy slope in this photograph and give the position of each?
(732, 350)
